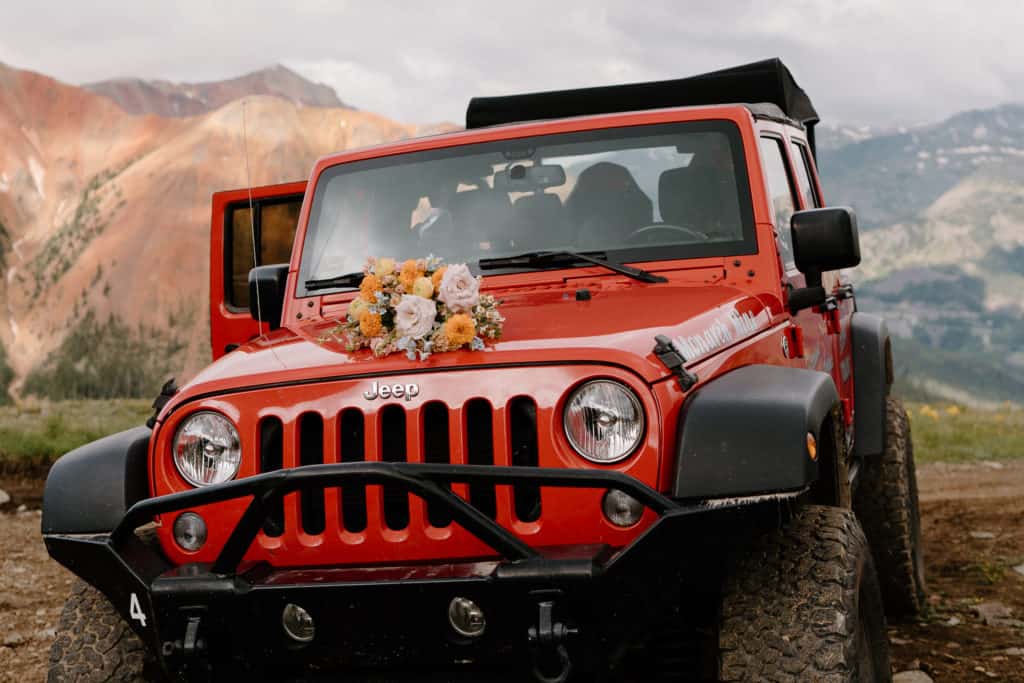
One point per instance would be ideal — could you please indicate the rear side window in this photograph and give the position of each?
(274, 229)
(780, 194)
(803, 176)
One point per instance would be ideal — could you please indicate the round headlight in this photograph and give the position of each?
(206, 449)
(604, 421)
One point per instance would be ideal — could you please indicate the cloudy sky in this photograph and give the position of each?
(867, 61)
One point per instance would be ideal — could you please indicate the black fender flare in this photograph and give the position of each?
(89, 489)
(745, 433)
(872, 380)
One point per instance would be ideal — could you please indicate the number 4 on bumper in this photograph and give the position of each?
(135, 610)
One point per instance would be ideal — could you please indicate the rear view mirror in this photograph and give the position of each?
(520, 178)
(825, 239)
(266, 293)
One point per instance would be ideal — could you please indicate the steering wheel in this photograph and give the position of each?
(646, 231)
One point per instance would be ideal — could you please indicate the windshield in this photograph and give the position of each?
(636, 194)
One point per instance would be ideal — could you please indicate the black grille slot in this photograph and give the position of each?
(311, 452)
(436, 449)
(392, 449)
(480, 451)
(352, 431)
(271, 451)
(523, 436)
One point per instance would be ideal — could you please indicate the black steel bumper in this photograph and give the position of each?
(206, 621)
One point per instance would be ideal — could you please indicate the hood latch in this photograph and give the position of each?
(672, 359)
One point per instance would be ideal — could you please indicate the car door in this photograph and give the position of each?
(785, 200)
(839, 320)
(248, 227)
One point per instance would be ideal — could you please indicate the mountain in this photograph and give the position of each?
(104, 223)
(941, 211)
(166, 99)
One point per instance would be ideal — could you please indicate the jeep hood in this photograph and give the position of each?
(617, 325)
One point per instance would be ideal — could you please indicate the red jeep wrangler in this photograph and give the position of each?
(687, 467)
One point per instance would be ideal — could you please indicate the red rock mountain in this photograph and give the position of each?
(163, 98)
(106, 213)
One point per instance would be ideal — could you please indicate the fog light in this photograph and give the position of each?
(190, 531)
(621, 509)
(466, 617)
(297, 623)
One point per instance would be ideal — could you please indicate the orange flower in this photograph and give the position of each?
(407, 276)
(458, 330)
(369, 287)
(369, 324)
(436, 277)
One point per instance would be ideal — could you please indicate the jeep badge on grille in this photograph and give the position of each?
(406, 391)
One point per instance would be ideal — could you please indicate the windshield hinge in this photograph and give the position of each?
(672, 359)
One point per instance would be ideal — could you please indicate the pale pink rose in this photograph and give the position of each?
(459, 290)
(414, 316)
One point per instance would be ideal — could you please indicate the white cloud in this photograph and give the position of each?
(873, 61)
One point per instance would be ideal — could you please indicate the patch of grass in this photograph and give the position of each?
(33, 435)
(952, 433)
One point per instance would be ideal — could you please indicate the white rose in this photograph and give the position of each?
(414, 316)
(459, 290)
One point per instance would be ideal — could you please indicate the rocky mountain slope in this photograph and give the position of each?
(163, 98)
(104, 220)
(942, 219)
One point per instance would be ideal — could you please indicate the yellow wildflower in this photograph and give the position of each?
(423, 287)
(369, 287)
(458, 330)
(436, 277)
(355, 308)
(407, 276)
(369, 324)
(953, 410)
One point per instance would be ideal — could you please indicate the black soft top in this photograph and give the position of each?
(765, 81)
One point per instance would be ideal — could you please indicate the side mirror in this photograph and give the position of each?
(266, 293)
(824, 239)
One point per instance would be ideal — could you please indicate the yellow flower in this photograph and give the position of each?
(355, 308)
(369, 324)
(408, 274)
(423, 287)
(458, 330)
(369, 287)
(384, 266)
(437, 276)
(953, 410)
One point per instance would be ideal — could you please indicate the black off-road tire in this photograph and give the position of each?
(886, 503)
(94, 643)
(804, 605)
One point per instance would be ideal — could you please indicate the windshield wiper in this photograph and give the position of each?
(346, 280)
(539, 259)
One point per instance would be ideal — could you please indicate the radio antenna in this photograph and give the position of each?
(252, 215)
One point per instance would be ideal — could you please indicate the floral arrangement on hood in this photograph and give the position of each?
(420, 307)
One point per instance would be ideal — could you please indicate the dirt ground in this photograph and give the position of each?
(973, 535)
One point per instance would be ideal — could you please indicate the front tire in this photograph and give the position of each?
(94, 643)
(887, 506)
(805, 605)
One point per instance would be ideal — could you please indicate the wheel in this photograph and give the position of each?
(804, 605)
(886, 503)
(94, 643)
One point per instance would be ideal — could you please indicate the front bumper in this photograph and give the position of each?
(545, 606)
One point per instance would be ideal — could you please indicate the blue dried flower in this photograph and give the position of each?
(477, 344)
